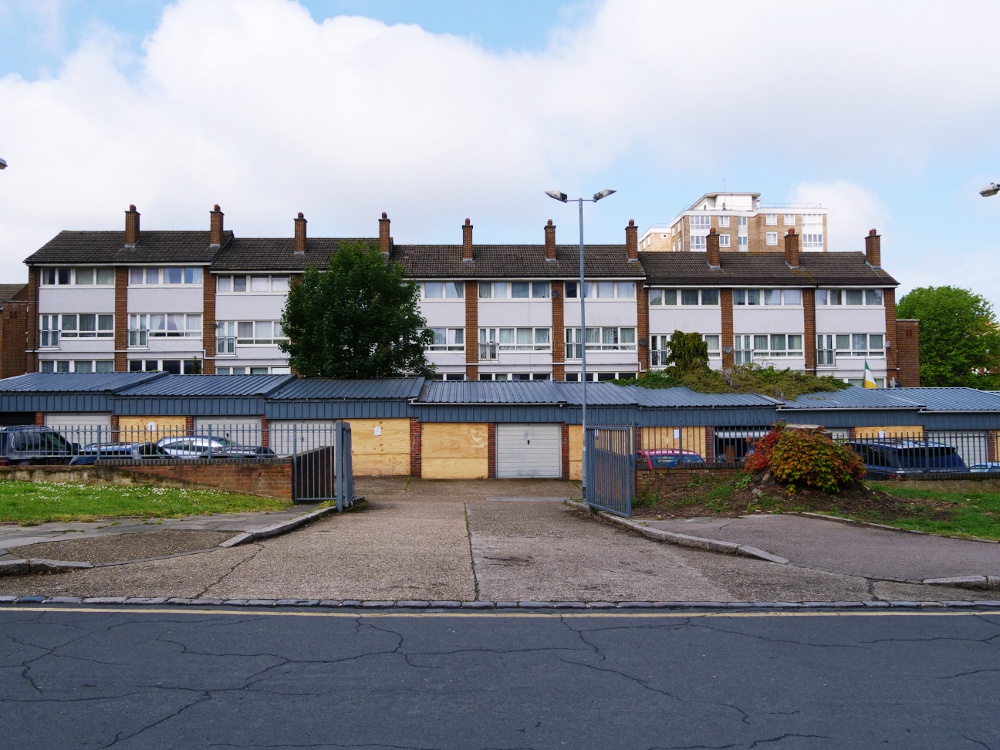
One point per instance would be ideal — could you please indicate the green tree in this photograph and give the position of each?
(358, 319)
(959, 339)
(688, 351)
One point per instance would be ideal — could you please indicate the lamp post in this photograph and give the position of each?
(3, 164)
(991, 189)
(561, 197)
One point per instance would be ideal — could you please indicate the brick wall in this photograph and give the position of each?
(809, 313)
(907, 348)
(891, 360)
(269, 478)
(121, 319)
(642, 311)
(13, 339)
(491, 450)
(31, 342)
(415, 451)
(471, 330)
(208, 322)
(565, 450)
(726, 302)
(558, 330)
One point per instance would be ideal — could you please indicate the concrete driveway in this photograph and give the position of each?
(490, 541)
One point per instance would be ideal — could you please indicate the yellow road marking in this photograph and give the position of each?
(573, 614)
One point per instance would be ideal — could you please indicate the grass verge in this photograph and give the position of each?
(962, 514)
(29, 503)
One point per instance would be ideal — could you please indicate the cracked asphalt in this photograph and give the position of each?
(492, 541)
(132, 678)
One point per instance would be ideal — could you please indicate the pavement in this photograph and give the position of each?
(501, 543)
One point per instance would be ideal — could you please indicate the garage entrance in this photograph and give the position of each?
(529, 451)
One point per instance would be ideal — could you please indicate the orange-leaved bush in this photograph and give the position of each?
(805, 457)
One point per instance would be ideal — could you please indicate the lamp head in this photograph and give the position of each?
(3, 164)
(603, 194)
(557, 195)
(991, 189)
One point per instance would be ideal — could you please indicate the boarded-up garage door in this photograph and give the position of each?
(454, 451)
(150, 429)
(380, 447)
(82, 428)
(242, 430)
(529, 450)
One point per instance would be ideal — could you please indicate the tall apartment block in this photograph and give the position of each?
(742, 223)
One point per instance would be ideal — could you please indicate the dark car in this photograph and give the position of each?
(34, 445)
(667, 458)
(90, 454)
(899, 458)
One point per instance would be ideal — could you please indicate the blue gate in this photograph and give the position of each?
(609, 468)
(321, 463)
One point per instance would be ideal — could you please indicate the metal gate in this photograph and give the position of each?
(609, 468)
(324, 473)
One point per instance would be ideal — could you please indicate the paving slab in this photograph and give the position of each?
(851, 549)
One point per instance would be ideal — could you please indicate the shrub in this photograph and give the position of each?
(805, 457)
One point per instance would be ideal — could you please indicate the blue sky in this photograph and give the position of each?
(437, 111)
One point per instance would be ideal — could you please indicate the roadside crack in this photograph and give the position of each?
(224, 576)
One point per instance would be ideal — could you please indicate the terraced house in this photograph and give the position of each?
(210, 302)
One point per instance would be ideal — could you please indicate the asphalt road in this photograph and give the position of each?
(227, 678)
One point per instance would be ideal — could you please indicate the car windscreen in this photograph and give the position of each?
(929, 457)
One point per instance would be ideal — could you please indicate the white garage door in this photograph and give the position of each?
(83, 428)
(242, 430)
(288, 436)
(529, 450)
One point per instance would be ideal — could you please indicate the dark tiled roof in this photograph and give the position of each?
(9, 292)
(762, 268)
(514, 261)
(277, 254)
(71, 248)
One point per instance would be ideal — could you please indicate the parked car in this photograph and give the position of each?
(92, 453)
(899, 458)
(667, 458)
(198, 446)
(989, 466)
(34, 445)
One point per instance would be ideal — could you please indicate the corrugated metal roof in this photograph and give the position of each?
(491, 392)
(856, 397)
(64, 382)
(685, 397)
(598, 394)
(209, 385)
(330, 388)
(952, 399)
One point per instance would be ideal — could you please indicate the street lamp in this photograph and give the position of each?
(991, 189)
(561, 197)
(3, 164)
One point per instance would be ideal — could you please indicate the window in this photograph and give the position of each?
(793, 296)
(770, 219)
(686, 296)
(492, 341)
(514, 290)
(766, 346)
(261, 370)
(162, 325)
(771, 238)
(746, 296)
(443, 289)
(86, 325)
(768, 297)
(599, 339)
(77, 365)
(602, 289)
(743, 242)
(173, 275)
(723, 221)
(689, 296)
(873, 297)
(454, 376)
(772, 296)
(173, 366)
(698, 242)
(742, 223)
(812, 231)
(723, 240)
(256, 284)
(789, 220)
(701, 224)
(869, 297)
(812, 241)
(447, 340)
(259, 332)
(78, 276)
(662, 296)
(830, 346)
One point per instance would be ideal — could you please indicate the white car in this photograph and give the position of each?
(195, 446)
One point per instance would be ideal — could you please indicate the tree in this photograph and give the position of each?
(358, 319)
(959, 339)
(688, 351)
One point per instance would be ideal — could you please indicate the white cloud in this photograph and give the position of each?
(254, 105)
(852, 210)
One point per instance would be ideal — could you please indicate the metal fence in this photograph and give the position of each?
(609, 468)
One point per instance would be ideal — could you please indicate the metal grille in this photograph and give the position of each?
(609, 469)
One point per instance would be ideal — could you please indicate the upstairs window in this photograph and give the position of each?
(443, 289)
(167, 275)
(78, 276)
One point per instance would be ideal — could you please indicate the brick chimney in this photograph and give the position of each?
(632, 241)
(131, 227)
(467, 240)
(300, 234)
(712, 246)
(873, 249)
(384, 240)
(215, 227)
(792, 248)
(550, 240)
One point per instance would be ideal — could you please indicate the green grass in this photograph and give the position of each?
(29, 503)
(962, 514)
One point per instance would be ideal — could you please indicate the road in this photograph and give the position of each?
(185, 677)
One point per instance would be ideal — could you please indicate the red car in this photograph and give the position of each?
(667, 458)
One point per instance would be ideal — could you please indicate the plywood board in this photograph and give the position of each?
(914, 432)
(454, 441)
(454, 468)
(576, 452)
(137, 429)
(380, 466)
(688, 438)
(394, 437)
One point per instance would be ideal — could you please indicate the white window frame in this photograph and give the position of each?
(258, 337)
(144, 326)
(505, 290)
(447, 340)
(789, 220)
(724, 240)
(751, 346)
(276, 283)
(618, 289)
(450, 290)
(872, 297)
(771, 219)
(771, 238)
(601, 339)
(51, 276)
(502, 339)
(189, 276)
(723, 221)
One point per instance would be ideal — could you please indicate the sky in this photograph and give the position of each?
(885, 113)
